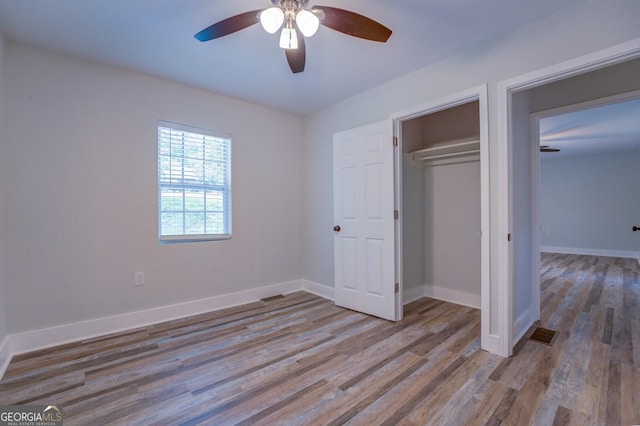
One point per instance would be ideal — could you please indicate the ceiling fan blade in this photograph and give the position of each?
(297, 57)
(353, 24)
(229, 26)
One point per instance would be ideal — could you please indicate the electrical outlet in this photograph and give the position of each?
(138, 279)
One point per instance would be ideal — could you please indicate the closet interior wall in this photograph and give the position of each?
(441, 206)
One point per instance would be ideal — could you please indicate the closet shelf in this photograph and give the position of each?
(449, 150)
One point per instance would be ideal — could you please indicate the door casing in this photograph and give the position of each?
(505, 262)
(489, 341)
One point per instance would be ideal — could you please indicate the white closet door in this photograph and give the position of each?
(364, 239)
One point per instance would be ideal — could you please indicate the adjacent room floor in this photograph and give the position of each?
(301, 360)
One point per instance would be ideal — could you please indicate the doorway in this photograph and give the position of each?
(441, 206)
(518, 261)
(594, 159)
(442, 244)
(589, 200)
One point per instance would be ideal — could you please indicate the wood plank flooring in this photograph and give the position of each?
(301, 360)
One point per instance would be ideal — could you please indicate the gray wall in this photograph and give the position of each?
(609, 81)
(591, 202)
(80, 193)
(452, 230)
(3, 309)
(522, 209)
(413, 225)
(456, 123)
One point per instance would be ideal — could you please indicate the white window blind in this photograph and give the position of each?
(194, 183)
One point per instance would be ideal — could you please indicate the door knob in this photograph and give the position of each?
(635, 228)
(337, 228)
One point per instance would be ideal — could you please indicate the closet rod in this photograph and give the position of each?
(453, 154)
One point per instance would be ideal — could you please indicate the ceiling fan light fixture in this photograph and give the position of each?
(288, 38)
(291, 16)
(308, 22)
(271, 19)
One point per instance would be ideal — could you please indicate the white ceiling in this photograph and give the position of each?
(607, 128)
(156, 37)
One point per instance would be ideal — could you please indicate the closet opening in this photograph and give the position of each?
(441, 206)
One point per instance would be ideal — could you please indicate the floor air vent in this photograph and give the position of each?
(543, 335)
(269, 299)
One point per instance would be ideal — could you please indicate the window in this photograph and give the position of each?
(194, 183)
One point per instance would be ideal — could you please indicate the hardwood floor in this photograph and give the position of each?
(301, 360)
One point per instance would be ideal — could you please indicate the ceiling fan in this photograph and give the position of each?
(297, 21)
(547, 148)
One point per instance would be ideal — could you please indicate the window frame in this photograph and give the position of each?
(227, 191)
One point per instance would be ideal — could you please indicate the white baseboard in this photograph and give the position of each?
(521, 325)
(53, 336)
(454, 296)
(409, 294)
(321, 290)
(592, 252)
(5, 355)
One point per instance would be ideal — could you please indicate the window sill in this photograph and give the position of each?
(176, 239)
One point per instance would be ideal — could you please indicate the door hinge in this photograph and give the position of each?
(509, 237)
(397, 288)
(395, 214)
(395, 141)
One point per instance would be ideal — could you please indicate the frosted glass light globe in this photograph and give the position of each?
(272, 19)
(308, 23)
(288, 39)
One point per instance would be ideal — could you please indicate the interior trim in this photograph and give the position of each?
(28, 341)
(5, 355)
(522, 324)
(491, 336)
(321, 290)
(454, 296)
(591, 252)
(505, 89)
